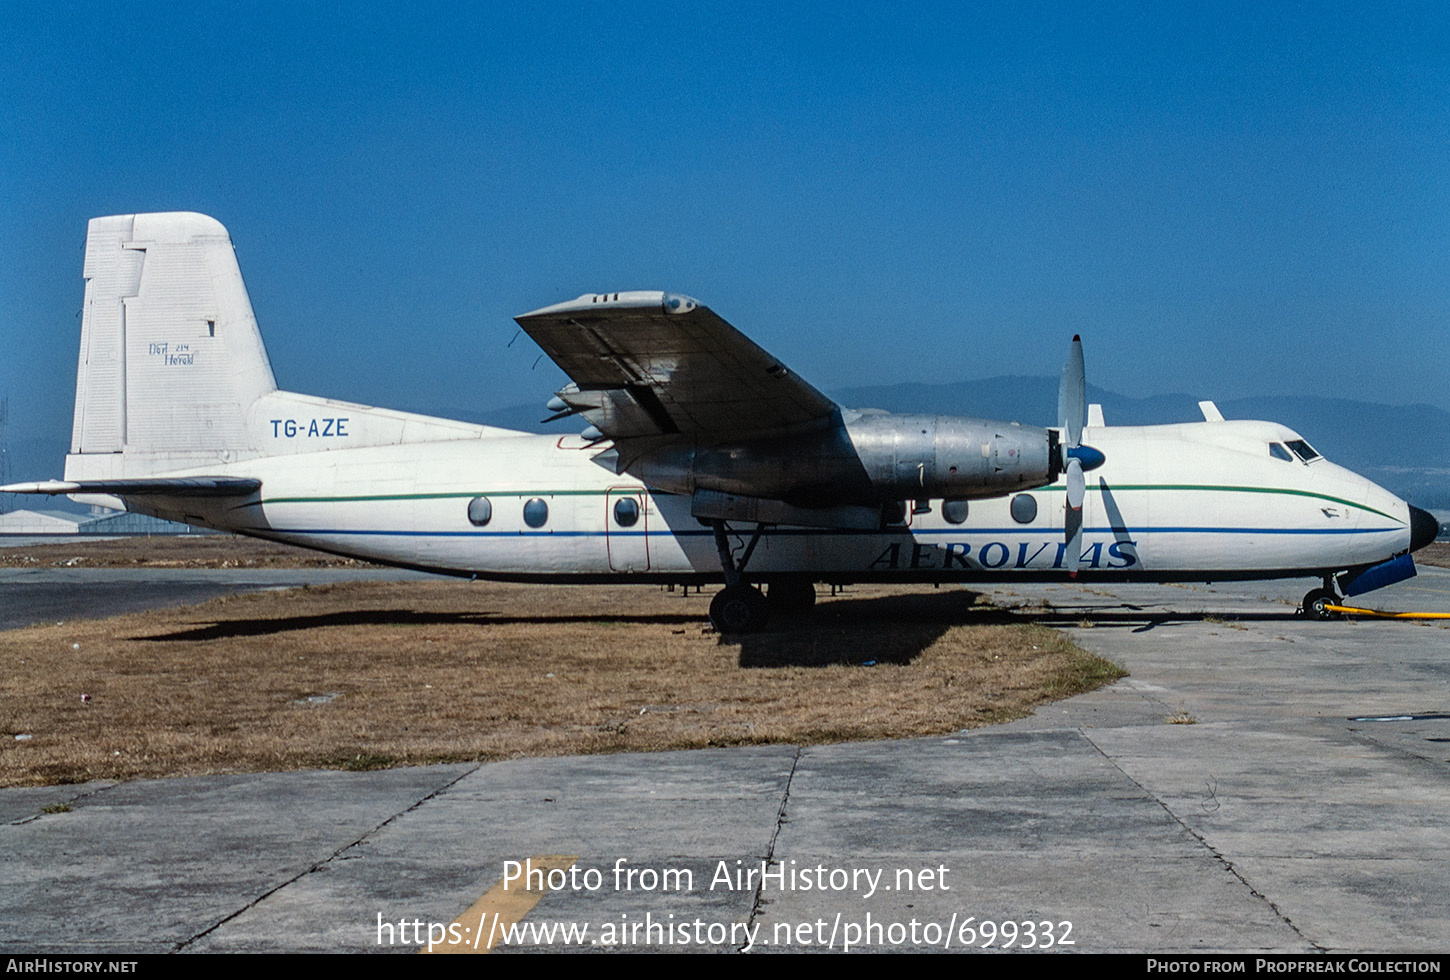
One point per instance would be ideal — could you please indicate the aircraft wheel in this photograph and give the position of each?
(1314, 603)
(791, 596)
(739, 609)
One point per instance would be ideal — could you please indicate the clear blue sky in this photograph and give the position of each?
(1226, 200)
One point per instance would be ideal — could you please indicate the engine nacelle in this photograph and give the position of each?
(870, 458)
(924, 456)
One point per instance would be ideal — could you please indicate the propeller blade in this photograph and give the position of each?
(1073, 524)
(1072, 519)
(1072, 412)
(1076, 484)
(1072, 396)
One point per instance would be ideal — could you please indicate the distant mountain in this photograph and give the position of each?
(522, 418)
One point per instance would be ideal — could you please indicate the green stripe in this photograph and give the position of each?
(1205, 486)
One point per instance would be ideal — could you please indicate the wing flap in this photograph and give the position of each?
(624, 412)
(648, 364)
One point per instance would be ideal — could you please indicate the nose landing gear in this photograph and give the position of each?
(1315, 601)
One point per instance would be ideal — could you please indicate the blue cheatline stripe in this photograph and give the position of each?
(821, 532)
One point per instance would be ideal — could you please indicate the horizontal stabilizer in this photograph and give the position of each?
(190, 486)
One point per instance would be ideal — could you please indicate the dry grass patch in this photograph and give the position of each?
(367, 675)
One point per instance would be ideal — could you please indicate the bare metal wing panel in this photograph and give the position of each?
(648, 364)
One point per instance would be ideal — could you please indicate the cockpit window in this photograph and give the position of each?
(1303, 450)
(1279, 452)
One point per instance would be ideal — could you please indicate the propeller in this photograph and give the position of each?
(1076, 458)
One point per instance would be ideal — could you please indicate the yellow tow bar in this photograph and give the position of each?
(1352, 611)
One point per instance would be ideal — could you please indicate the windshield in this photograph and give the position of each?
(1303, 450)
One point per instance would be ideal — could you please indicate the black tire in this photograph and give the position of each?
(1315, 602)
(791, 595)
(739, 609)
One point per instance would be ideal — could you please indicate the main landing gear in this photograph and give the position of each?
(739, 607)
(791, 595)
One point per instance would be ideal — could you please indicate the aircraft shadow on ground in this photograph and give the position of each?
(400, 617)
(896, 629)
(883, 630)
(854, 632)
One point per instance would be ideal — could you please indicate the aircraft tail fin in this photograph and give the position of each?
(170, 356)
(173, 383)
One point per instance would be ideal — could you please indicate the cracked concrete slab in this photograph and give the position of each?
(159, 863)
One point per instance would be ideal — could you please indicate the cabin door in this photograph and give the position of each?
(626, 522)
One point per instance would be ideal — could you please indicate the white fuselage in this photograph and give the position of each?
(1193, 501)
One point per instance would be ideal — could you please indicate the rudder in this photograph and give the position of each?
(170, 355)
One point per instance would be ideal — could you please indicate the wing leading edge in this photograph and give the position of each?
(646, 365)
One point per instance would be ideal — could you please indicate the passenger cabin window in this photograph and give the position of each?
(1303, 450)
(626, 511)
(1024, 508)
(536, 512)
(955, 511)
(479, 511)
(1279, 452)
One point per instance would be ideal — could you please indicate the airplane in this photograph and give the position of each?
(702, 459)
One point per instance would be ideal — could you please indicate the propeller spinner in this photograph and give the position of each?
(1076, 458)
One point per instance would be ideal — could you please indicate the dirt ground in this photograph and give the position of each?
(368, 675)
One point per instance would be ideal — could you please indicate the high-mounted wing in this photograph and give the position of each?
(651, 364)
